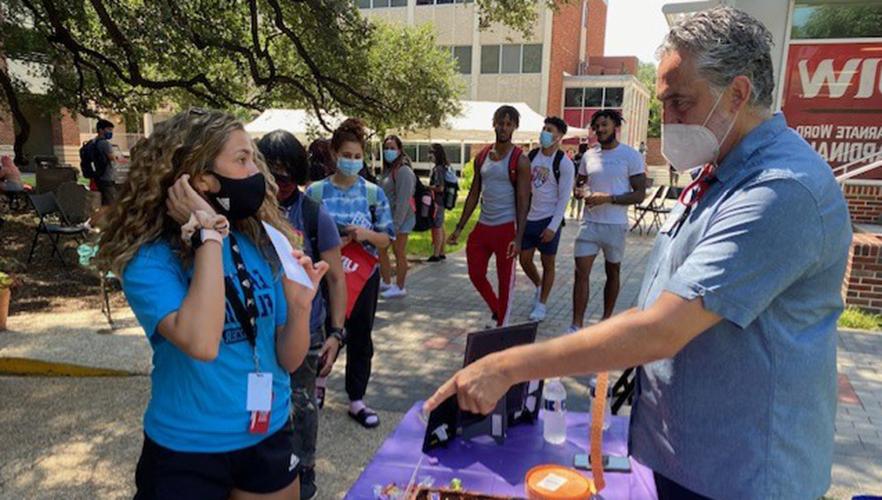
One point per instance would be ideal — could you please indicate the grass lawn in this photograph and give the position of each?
(420, 244)
(853, 317)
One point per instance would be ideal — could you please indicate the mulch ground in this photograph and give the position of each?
(45, 285)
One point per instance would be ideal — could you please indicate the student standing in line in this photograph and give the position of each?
(398, 182)
(364, 219)
(286, 159)
(552, 182)
(226, 327)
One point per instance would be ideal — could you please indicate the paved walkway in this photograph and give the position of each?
(80, 437)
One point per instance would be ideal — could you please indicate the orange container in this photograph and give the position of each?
(556, 482)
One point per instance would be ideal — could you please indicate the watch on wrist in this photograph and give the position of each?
(339, 334)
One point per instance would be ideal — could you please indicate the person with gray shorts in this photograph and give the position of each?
(611, 177)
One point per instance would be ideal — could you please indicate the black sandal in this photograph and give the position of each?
(320, 397)
(362, 416)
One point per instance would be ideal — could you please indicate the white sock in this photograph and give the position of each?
(357, 406)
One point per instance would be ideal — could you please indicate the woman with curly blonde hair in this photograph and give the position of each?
(189, 240)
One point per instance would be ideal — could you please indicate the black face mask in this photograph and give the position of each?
(239, 198)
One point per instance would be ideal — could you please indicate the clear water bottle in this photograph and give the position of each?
(554, 418)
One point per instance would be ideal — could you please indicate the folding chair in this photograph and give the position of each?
(86, 253)
(658, 210)
(623, 390)
(644, 207)
(47, 209)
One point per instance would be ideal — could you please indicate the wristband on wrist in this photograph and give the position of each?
(201, 236)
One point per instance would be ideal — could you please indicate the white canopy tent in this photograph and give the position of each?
(474, 125)
(300, 122)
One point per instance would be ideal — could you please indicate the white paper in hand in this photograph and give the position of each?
(293, 270)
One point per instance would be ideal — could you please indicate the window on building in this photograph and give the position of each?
(511, 59)
(463, 56)
(489, 59)
(837, 19)
(593, 98)
(378, 4)
(573, 98)
(453, 153)
(532, 59)
(613, 98)
(410, 150)
(441, 2)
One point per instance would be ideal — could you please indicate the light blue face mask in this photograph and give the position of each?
(349, 167)
(390, 155)
(546, 139)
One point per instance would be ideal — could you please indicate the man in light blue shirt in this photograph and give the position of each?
(736, 323)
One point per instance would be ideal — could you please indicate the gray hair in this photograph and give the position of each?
(727, 43)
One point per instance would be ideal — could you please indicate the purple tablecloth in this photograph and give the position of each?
(493, 469)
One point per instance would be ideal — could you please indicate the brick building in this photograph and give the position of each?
(565, 51)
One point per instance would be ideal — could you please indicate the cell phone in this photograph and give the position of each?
(611, 463)
(320, 366)
(342, 230)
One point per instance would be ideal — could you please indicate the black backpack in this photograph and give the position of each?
(92, 163)
(424, 203)
(555, 167)
(451, 191)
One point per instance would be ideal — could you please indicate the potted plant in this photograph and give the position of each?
(5, 293)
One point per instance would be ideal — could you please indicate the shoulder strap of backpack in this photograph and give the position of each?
(310, 213)
(558, 157)
(532, 154)
(513, 165)
(482, 157)
(371, 194)
(316, 191)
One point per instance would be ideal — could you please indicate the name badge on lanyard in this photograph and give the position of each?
(259, 396)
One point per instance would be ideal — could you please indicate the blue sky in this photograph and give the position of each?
(635, 28)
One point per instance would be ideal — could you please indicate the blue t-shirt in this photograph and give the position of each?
(199, 406)
(328, 238)
(746, 409)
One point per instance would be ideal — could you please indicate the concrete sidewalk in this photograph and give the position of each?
(80, 437)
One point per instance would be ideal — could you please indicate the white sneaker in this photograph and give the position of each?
(572, 329)
(385, 286)
(538, 313)
(394, 292)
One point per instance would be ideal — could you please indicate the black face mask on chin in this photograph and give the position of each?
(238, 198)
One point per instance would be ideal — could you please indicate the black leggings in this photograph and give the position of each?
(359, 346)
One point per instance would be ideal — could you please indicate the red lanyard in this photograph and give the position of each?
(698, 187)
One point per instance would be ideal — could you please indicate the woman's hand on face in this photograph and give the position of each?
(183, 201)
(297, 294)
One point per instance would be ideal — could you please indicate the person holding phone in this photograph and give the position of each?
(286, 159)
(363, 211)
(189, 239)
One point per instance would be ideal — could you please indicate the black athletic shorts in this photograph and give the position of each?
(266, 467)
